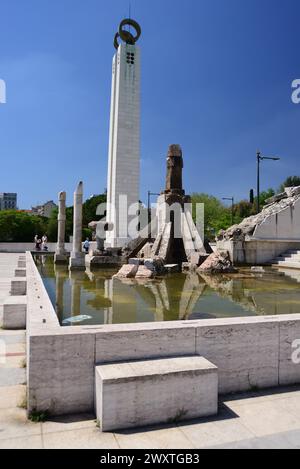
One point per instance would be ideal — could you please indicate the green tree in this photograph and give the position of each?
(52, 225)
(216, 215)
(90, 209)
(243, 209)
(291, 181)
(20, 227)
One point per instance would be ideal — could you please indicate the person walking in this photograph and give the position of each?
(86, 245)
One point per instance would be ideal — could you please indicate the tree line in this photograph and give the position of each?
(18, 226)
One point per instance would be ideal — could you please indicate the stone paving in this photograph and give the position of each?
(269, 419)
(266, 419)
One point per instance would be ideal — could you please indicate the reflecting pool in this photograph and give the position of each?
(88, 298)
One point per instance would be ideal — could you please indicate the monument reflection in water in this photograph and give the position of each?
(87, 298)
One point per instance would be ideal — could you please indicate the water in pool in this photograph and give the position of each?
(87, 298)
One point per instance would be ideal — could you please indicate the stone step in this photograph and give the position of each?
(288, 265)
(148, 392)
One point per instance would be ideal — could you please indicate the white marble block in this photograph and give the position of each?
(134, 394)
(20, 273)
(289, 349)
(18, 287)
(14, 312)
(246, 354)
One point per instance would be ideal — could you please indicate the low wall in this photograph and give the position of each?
(250, 353)
(256, 251)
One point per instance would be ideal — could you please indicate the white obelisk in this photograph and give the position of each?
(124, 144)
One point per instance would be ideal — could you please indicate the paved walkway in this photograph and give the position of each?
(269, 419)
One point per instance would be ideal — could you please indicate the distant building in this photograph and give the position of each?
(8, 201)
(44, 210)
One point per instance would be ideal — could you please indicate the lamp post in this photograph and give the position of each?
(232, 207)
(260, 158)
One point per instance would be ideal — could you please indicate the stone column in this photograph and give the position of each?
(77, 259)
(61, 256)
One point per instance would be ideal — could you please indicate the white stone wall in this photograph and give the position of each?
(284, 225)
(256, 251)
(124, 142)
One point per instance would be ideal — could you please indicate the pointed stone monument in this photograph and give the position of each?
(61, 255)
(77, 258)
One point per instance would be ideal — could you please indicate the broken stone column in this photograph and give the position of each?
(77, 258)
(61, 256)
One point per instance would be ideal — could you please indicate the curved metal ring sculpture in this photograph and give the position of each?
(125, 35)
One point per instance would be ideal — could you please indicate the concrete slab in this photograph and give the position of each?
(87, 438)
(154, 438)
(29, 442)
(12, 396)
(14, 423)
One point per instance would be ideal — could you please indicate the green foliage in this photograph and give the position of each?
(38, 416)
(216, 215)
(88, 214)
(20, 227)
(243, 209)
(291, 181)
(264, 195)
(90, 209)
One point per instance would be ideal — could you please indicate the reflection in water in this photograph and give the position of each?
(96, 298)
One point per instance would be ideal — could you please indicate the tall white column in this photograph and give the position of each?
(77, 259)
(60, 253)
(124, 143)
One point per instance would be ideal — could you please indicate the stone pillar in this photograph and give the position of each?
(61, 256)
(77, 258)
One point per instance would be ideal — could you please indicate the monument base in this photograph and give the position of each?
(116, 243)
(77, 261)
(61, 258)
(92, 261)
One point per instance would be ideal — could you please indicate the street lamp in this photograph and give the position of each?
(260, 158)
(232, 207)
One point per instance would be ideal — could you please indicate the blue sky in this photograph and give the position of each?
(216, 78)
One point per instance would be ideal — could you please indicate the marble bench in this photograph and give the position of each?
(18, 286)
(14, 312)
(140, 393)
(20, 272)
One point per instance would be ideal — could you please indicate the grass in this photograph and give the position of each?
(38, 416)
(178, 416)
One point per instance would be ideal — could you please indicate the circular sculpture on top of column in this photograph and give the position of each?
(127, 36)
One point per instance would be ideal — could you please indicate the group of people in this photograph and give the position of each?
(41, 243)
